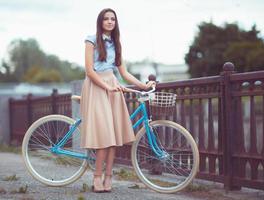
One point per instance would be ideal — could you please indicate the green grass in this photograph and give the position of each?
(196, 188)
(162, 183)
(135, 186)
(129, 175)
(11, 178)
(21, 190)
(85, 188)
(80, 197)
(57, 159)
(10, 149)
(126, 175)
(67, 160)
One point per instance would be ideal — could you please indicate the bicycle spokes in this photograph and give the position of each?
(166, 158)
(51, 151)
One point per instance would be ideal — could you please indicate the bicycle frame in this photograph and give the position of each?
(57, 148)
(150, 135)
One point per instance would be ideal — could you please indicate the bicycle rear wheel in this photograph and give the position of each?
(176, 168)
(51, 168)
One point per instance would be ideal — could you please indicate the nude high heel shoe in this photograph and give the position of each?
(98, 187)
(108, 183)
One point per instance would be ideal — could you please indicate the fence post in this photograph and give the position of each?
(11, 126)
(152, 77)
(227, 119)
(29, 109)
(53, 101)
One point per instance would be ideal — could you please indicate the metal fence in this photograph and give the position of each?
(23, 112)
(224, 114)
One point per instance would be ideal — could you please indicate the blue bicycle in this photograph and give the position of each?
(165, 157)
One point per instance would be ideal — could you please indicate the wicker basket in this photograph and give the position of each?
(162, 103)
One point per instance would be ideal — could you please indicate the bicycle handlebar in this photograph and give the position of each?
(140, 92)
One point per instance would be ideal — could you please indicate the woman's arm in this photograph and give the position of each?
(89, 51)
(132, 79)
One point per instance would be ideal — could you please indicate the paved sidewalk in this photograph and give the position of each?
(12, 164)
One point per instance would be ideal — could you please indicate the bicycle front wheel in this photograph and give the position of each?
(53, 169)
(178, 162)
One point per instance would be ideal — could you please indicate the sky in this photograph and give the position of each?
(159, 30)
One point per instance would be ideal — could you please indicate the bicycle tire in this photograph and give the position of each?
(49, 168)
(176, 171)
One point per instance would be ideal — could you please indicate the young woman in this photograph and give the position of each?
(106, 123)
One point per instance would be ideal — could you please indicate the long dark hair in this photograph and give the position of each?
(115, 35)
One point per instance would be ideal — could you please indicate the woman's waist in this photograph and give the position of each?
(106, 74)
(103, 66)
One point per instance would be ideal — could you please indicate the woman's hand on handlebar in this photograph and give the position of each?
(117, 88)
(150, 84)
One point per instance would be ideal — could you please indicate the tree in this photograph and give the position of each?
(247, 56)
(6, 72)
(40, 75)
(47, 76)
(213, 46)
(24, 54)
(29, 63)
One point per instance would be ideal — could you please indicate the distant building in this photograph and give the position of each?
(164, 73)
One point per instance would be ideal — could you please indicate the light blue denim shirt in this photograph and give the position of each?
(107, 65)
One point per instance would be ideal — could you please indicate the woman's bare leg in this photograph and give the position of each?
(109, 166)
(100, 158)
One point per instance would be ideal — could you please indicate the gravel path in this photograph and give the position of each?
(12, 164)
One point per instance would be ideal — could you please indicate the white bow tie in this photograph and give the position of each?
(107, 38)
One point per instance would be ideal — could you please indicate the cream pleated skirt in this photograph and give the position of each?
(105, 118)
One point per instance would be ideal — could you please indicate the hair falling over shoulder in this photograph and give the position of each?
(115, 35)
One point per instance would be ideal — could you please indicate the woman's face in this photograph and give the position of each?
(108, 22)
